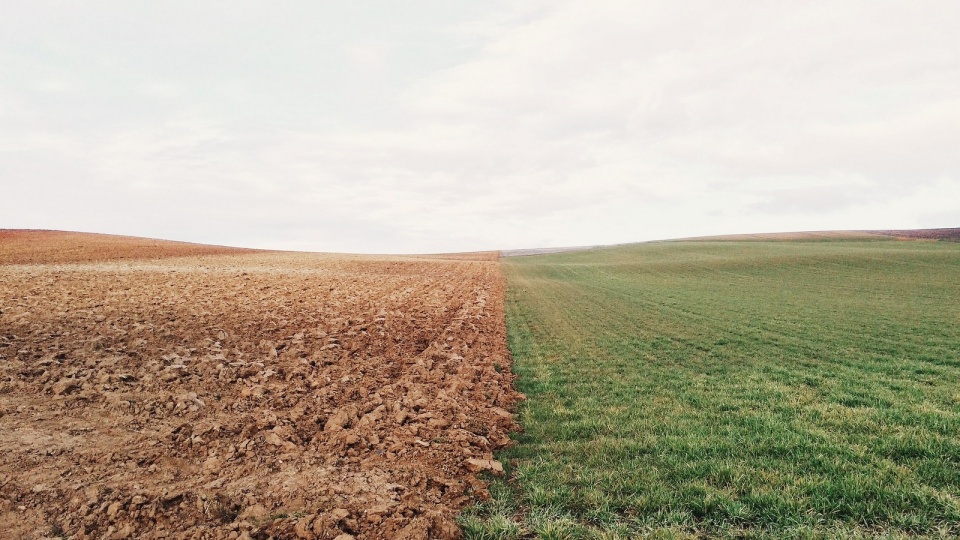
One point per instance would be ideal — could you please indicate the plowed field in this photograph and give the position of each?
(246, 395)
(45, 247)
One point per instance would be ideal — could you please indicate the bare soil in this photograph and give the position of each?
(251, 395)
(43, 247)
(912, 234)
(929, 234)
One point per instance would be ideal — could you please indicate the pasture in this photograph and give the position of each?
(761, 389)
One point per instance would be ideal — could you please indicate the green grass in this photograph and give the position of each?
(734, 389)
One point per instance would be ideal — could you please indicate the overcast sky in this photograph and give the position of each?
(426, 126)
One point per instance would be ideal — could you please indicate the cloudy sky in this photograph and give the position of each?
(429, 126)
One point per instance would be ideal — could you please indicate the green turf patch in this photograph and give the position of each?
(734, 389)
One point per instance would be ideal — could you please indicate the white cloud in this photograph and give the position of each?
(521, 124)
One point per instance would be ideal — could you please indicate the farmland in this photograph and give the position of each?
(804, 388)
(156, 389)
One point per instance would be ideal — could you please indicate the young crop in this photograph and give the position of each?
(784, 389)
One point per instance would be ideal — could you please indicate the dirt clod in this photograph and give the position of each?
(477, 465)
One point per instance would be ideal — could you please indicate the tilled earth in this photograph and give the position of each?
(929, 234)
(45, 247)
(252, 395)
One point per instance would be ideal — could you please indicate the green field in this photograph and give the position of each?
(769, 389)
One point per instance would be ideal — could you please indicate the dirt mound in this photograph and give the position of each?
(38, 247)
(250, 396)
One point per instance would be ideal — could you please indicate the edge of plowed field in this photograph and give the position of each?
(40, 246)
(248, 396)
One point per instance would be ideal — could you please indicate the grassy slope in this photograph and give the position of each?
(769, 389)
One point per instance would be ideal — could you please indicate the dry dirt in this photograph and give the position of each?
(252, 395)
(44, 247)
(925, 234)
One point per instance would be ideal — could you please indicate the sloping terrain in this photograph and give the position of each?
(45, 247)
(248, 396)
(734, 389)
(908, 234)
(790, 236)
(952, 234)
(543, 251)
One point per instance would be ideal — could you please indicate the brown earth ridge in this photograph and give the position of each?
(949, 234)
(239, 394)
(44, 247)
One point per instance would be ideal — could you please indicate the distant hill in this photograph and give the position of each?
(937, 234)
(913, 234)
(26, 246)
(31, 246)
(542, 251)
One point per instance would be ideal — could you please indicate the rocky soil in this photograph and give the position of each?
(251, 395)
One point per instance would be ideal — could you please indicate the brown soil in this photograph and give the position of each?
(930, 234)
(936, 234)
(256, 395)
(42, 247)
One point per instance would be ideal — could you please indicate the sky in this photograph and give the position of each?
(438, 126)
